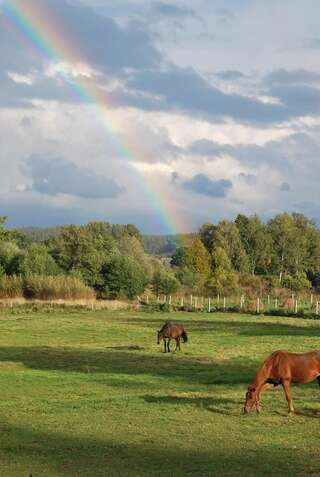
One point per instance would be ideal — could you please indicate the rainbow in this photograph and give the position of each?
(34, 24)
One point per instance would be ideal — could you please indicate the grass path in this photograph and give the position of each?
(91, 394)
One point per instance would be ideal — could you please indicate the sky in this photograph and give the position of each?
(193, 112)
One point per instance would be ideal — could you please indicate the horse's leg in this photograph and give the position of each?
(263, 388)
(178, 344)
(318, 379)
(168, 345)
(287, 390)
(165, 344)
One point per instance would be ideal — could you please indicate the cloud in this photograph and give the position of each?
(202, 184)
(314, 43)
(249, 179)
(100, 41)
(225, 16)
(54, 176)
(282, 76)
(183, 89)
(171, 10)
(230, 75)
(285, 187)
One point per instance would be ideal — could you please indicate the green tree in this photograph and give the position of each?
(257, 243)
(165, 282)
(37, 261)
(223, 279)
(123, 277)
(197, 258)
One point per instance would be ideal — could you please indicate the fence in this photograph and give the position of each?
(293, 305)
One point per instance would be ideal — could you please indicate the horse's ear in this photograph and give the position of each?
(251, 388)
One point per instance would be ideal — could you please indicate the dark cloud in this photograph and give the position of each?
(202, 184)
(27, 211)
(282, 76)
(282, 154)
(249, 179)
(54, 176)
(314, 43)
(185, 90)
(230, 75)
(99, 39)
(172, 11)
(285, 187)
(225, 16)
(128, 54)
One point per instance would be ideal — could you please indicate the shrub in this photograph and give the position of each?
(122, 277)
(55, 288)
(11, 287)
(164, 282)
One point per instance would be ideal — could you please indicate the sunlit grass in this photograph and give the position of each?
(92, 394)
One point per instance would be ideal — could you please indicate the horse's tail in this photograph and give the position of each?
(184, 336)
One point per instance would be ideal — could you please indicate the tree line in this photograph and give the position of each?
(244, 255)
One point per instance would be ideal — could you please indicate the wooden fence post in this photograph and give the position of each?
(296, 307)
(224, 303)
(170, 299)
(181, 302)
(209, 305)
(317, 308)
(258, 305)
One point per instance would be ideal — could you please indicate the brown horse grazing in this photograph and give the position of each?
(284, 368)
(172, 331)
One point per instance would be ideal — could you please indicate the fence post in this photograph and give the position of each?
(317, 308)
(258, 305)
(268, 299)
(170, 300)
(209, 305)
(191, 301)
(195, 302)
(276, 303)
(148, 299)
(181, 302)
(224, 303)
(296, 307)
(218, 299)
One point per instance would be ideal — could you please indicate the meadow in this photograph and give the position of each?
(91, 394)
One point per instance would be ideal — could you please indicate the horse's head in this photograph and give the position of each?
(251, 399)
(160, 337)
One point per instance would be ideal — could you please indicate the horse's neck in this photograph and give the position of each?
(261, 375)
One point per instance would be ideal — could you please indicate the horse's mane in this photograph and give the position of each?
(264, 370)
(167, 324)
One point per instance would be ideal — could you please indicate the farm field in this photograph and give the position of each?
(92, 394)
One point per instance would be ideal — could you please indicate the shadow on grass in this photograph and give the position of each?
(213, 404)
(170, 366)
(240, 327)
(44, 453)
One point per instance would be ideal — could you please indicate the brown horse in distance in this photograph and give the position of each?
(284, 368)
(172, 331)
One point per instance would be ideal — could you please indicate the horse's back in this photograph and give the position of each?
(172, 330)
(300, 367)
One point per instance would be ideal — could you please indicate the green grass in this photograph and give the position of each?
(92, 394)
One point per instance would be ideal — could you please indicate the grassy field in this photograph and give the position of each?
(92, 394)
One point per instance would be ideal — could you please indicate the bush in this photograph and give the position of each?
(164, 282)
(11, 287)
(55, 288)
(296, 282)
(122, 277)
